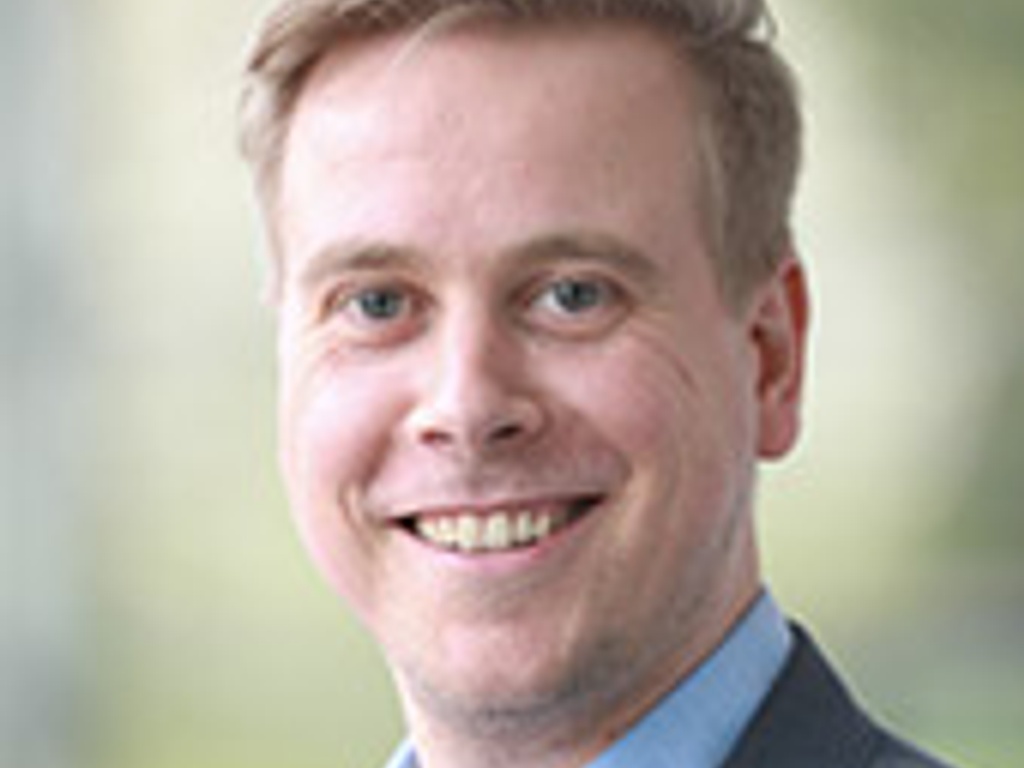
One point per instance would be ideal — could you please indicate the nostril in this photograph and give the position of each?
(505, 432)
(435, 437)
(476, 424)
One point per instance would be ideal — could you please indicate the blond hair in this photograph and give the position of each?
(748, 115)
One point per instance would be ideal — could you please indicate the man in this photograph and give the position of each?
(540, 317)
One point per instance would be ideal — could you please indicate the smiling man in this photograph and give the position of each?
(540, 317)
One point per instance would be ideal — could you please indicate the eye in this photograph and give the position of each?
(379, 304)
(577, 305)
(574, 296)
(378, 314)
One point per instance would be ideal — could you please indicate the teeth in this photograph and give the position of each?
(468, 534)
(496, 532)
(448, 532)
(524, 527)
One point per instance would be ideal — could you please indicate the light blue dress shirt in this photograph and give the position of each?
(701, 720)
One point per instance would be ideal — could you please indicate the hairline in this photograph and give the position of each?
(427, 23)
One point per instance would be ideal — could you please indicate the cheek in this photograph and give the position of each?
(631, 411)
(334, 419)
(676, 410)
(324, 435)
(636, 394)
(332, 430)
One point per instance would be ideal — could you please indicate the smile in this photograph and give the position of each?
(498, 530)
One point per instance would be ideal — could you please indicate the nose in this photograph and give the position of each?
(475, 399)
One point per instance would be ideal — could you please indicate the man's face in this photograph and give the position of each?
(518, 425)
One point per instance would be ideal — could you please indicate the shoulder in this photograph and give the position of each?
(893, 752)
(810, 720)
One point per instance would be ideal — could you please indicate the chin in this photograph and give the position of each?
(511, 689)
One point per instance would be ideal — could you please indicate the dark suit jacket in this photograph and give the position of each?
(809, 720)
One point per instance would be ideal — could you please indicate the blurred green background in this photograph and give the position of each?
(156, 610)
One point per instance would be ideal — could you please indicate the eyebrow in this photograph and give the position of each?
(354, 256)
(575, 247)
(588, 248)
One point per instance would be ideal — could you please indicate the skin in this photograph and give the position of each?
(497, 293)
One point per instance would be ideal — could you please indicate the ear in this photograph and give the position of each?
(778, 320)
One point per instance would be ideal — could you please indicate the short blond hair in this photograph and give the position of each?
(749, 116)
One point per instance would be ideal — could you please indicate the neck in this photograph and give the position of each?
(557, 734)
(565, 732)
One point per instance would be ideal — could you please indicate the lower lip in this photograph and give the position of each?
(513, 559)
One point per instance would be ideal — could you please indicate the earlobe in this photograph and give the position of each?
(778, 322)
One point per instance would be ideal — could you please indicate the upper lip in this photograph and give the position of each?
(482, 508)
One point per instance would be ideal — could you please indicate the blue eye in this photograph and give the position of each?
(576, 296)
(577, 307)
(374, 315)
(380, 304)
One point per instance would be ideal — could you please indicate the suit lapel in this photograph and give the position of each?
(808, 720)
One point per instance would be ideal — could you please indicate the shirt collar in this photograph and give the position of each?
(404, 757)
(699, 722)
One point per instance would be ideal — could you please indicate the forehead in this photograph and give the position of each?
(588, 117)
(451, 77)
(460, 45)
